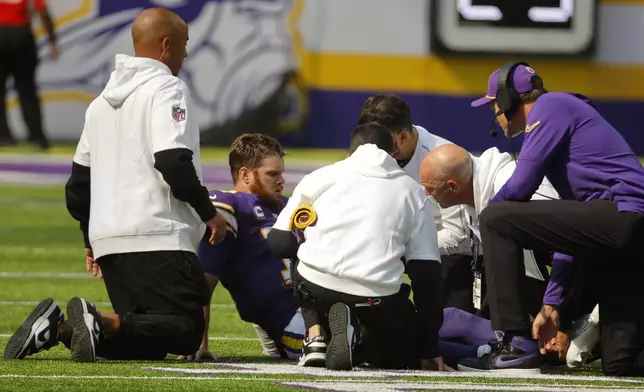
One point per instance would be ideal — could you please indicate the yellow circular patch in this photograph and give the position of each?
(303, 217)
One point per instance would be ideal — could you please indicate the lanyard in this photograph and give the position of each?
(475, 245)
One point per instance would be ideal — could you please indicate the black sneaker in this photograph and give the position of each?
(87, 325)
(313, 352)
(37, 333)
(514, 354)
(343, 336)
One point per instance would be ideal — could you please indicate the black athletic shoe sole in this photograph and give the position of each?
(82, 345)
(19, 342)
(338, 353)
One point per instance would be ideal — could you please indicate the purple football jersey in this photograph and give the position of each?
(582, 155)
(259, 283)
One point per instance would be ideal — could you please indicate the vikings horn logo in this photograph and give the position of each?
(303, 217)
(238, 54)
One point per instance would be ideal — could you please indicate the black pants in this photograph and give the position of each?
(159, 297)
(532, 290)
(596, 231)
(458, 279)
(19, 59)
(583, 294)
(388, 329)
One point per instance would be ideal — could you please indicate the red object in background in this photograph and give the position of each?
(16, 12)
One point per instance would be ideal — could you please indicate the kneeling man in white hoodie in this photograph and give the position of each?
(370, 223)
(452, 176)
(135, 188)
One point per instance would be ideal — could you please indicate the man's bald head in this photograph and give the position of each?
(162, 35)
(447, 162)
(446, 174)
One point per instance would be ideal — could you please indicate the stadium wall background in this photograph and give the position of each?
(341, 51)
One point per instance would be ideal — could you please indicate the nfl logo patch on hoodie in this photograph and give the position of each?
(178, 113)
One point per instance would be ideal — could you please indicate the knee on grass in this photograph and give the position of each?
(622, 367)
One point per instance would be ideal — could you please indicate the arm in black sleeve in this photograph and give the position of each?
(283, 244)
(77, 197)
(179, 173)
(426, 284)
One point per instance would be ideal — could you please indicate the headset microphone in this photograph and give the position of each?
(507, 98)
(493, 131)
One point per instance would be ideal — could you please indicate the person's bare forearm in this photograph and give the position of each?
(48, 24)
(206, 315)
(212, 284)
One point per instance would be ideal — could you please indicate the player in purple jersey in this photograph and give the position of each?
(600, 221)
(259, 283)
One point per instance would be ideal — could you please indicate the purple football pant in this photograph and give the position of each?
(471, 332)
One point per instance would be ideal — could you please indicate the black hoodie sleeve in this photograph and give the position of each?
(426, 284)
(283, 244)
(178, 171)
(78, 197)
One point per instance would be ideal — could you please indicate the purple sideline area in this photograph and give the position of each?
(21, 171)
(335, 113)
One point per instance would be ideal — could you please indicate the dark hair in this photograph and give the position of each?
(250, 149)
(372, 133)
(388, 110)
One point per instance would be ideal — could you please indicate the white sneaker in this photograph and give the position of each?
(313, 352)
(583, 336)
(37, 333)
(87, 324)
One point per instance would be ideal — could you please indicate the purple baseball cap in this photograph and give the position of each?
(521, 81)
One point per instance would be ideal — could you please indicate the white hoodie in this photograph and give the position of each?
(142, 110)
(491, 170)
(370, 214)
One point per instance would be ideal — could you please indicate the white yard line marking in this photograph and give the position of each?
(22, 178)
(108, 377)
(289, 369)
(348, 386)
(34, 303)
(50, 275)
(224, 338)
(344, 385)
(75, 251)
(23, 201)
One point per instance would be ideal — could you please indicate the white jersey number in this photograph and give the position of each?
(286, 272)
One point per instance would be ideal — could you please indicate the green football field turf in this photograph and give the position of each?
(41, 255)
